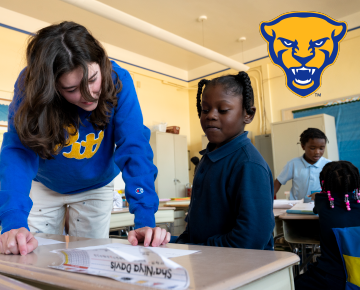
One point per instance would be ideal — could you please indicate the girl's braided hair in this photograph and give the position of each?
(239, 84)
(340, 178)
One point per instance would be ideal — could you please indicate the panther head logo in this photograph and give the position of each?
(303, 45)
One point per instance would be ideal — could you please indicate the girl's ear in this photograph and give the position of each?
(303, 146)
(249, 117)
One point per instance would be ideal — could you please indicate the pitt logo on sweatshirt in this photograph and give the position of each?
(91, 144)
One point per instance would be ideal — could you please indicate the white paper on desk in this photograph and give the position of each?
(285, 203)
(43, 241)
(306, 207)
(146, 268)
(132, 250)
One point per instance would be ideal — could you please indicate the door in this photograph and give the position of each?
(181, 164)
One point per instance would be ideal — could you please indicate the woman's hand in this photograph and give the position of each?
(154, 236)
(17, 241)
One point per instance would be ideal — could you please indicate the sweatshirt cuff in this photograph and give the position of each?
(14, 219)
(144, 217)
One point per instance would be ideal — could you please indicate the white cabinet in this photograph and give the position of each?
(171, 159)
(285, 138)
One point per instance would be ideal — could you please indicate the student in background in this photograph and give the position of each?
(304, 170)
(232, 196)
(74, 122)
(338, 179)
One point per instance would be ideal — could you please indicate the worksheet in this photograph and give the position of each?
(133, 250)
(141, 266)
(302, 208)
(43, 241)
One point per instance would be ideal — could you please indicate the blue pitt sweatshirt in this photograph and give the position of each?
(232, 199)
(92, 160)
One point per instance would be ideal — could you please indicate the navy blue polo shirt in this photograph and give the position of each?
(232, 198)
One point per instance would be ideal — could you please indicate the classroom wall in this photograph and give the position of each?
(12, 59)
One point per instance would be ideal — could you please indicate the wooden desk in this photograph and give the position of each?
(121, 218)
(212, 268)
(7, 283)
(292, 216)
(182, 206)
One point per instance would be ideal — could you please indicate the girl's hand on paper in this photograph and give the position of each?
(17, 241)
(150, 236)
(312, 195)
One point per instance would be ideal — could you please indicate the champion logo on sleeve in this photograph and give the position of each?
(139, 190)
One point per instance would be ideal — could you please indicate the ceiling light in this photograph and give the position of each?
(202, 18)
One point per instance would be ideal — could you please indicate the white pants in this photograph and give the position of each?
(89, 211)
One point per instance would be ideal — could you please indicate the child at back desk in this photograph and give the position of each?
(337, 178)
(304, 171)
(232, 196)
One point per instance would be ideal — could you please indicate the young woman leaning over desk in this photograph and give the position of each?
(74, 121)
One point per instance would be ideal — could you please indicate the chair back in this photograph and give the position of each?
(348, 240)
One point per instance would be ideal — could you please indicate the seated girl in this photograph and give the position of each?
(232, 196)
(339, 180)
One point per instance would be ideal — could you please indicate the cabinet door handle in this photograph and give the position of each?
(176, 180)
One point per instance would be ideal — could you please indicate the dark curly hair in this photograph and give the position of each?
(340, 178)
(239, 84)
(312, 133)
(44, 113)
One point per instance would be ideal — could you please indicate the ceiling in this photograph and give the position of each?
(227, 21)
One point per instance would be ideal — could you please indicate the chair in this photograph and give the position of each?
(348, 240)
(301, 235)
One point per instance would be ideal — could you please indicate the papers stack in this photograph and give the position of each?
(285, 203)
(302, 208)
